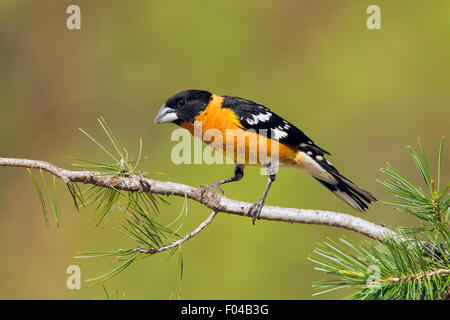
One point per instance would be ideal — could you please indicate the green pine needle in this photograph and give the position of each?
(418, 268)
(44, 196)
(41, 198)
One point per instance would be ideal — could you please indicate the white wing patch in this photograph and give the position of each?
(278, 134)
(262, 117)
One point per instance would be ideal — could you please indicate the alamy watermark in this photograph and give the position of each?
(373, 281)
(240, 146)
(374, 20)
(73, 21)
(74, 280)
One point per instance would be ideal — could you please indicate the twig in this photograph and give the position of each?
(182, 240)
(214, 201)
(420, 275)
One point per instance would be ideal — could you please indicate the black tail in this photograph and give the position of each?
(345, 189)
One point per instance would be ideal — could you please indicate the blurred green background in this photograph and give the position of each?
(362, 95)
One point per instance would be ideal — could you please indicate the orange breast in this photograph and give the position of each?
(221, 129)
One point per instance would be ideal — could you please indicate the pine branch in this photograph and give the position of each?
(420, 276)
(182, 240)
(216, 202)
(418, 268)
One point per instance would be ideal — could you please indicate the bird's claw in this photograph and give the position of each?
(213, 187)
(255, 210)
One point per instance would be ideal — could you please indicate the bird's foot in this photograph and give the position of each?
(213, 187)
(255, 210)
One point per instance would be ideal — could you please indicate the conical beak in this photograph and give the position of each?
(165, 115)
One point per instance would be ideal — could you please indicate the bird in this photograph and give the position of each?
(256, 127)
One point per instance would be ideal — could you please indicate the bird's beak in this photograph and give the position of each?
(165, 114)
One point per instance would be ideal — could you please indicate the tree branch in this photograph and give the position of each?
(214, 201)
(182, 240)
(420, 275)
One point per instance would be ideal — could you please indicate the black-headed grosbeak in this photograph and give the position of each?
(255, 127)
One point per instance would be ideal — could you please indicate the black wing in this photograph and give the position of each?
(261, 119)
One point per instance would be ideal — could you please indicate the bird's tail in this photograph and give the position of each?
(350, 193)
(345, 189)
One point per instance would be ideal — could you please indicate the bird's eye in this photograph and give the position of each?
(181, 103)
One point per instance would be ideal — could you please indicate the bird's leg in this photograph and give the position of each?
(238, 174)
(255, 210)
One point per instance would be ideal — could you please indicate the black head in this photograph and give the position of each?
(183, 107)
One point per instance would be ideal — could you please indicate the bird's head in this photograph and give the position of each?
(183, 107)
